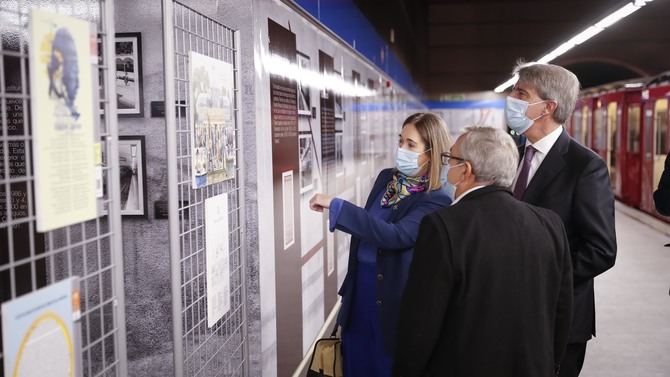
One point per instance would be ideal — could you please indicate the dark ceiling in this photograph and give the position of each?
(456, 46)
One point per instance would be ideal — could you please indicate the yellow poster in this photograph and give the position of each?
(62, 119)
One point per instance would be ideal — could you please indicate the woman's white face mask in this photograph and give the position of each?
(407, 161)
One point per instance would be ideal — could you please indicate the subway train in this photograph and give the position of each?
(627, 124)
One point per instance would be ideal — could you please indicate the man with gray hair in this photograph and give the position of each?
(558, 173)
(489, 291)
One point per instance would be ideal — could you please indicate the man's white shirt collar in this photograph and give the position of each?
(465, 193)
(544, 145)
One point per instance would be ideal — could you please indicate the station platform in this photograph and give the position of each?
(633, 302)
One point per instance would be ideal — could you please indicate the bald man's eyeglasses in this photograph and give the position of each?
(446, 156)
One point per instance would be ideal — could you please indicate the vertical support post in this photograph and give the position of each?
(173, 199)
(241, 198)
(115, 189)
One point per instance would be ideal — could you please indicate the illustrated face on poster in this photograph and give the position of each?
(63, 73)
(62, 112)
(212, 125)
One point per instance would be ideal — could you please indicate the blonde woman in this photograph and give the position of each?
(382, 237)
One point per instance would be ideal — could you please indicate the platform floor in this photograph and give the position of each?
(633, 304)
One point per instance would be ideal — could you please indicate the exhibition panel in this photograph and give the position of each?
(327, 121)
(61, 275)
(208, 295)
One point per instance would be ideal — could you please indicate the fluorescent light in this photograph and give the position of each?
(634, 85)
(281, 66)
(562, 49)
(584, 36)
(617, 15)
(501, 88)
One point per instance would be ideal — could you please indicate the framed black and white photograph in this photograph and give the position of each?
(129, 97)
(339, 111)
(132, 173)
(339, 157)
(306, 161)
(304, 97)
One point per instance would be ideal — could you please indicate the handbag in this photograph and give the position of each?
(327, 357)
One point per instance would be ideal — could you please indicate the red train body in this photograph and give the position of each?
(627, 124)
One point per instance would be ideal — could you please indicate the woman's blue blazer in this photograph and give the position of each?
(395, 239)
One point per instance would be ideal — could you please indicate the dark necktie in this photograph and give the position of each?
(522, 181)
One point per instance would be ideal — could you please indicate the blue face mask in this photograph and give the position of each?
(407, 162)
(515, 114)
(448, 188)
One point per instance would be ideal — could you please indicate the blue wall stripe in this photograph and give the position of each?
(477, 104)
(347, 21)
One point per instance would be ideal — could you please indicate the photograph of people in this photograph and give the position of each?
(382, 237)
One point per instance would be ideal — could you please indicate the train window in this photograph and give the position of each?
(648, 119)
(634, 128)
(612, 129)
(577, 126)
(586, 126)
(661, 126)
(599, 129)
(661, 134)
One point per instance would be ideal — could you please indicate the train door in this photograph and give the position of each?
(647, 178)
(631, 146)
(587, 122)
(660, 138)
(600, 130)
(613, 140)
(575, 128)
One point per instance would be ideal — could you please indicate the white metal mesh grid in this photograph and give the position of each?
(220, 350)
(30, 260)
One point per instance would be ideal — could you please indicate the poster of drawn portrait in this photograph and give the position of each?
(212, 123)
(61, 83)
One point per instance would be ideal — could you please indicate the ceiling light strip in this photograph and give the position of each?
(582, 37)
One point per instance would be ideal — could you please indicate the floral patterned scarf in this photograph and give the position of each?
(402, 186)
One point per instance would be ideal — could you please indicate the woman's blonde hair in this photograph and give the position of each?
(433, 131)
